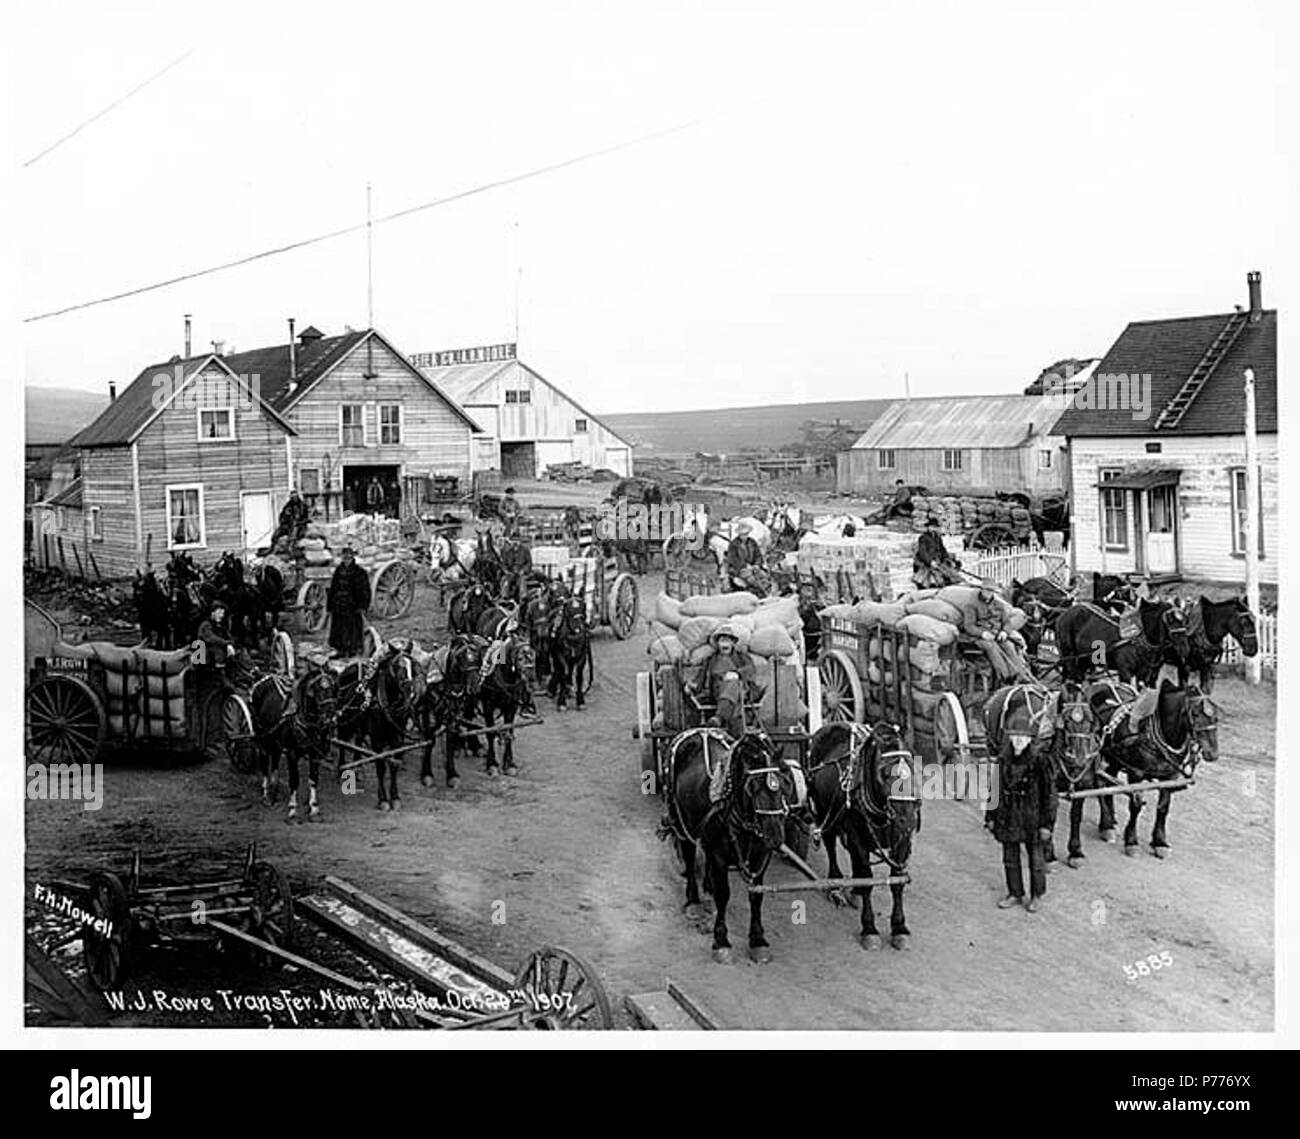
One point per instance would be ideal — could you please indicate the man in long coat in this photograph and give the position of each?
(348, 600)
(1024, 815)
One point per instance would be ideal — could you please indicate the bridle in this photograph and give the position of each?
(1085, 744)
(737, 821)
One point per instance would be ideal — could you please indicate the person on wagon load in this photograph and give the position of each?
(932, 564)
(743, 557)
(728, 679)
(983, 618)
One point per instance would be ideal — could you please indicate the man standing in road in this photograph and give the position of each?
(348, 600)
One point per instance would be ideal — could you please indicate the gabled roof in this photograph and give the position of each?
(1168, 351)
(961, 421)
(465, 381)
(122, 421)
(69, 496)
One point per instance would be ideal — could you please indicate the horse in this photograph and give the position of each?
(1112, 592)
(292, 718)
(516, 565)
(1087, 635)
(466, 607)
(453, 558)
(487, 559)
(744, 823)
(450, 692)
(861, 791)
(1208, 623)
(571, 663)
(505, 690)
(1178, 730)
(153, 612)
(1075, 755)
(1042, 601)
(785, 526)
(265, 599)
(535, 618)
(380, 699)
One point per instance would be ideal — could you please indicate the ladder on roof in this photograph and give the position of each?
(1172, 413)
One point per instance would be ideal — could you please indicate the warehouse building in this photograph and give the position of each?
(528, 423)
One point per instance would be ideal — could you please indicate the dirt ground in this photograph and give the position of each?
(565, 853)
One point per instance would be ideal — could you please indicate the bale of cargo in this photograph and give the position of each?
(879, 612)
(700, 654)
(720, 605)
(771, 641)
(317, 557)
(929, 628)
(936, 608)
(782, 704)
(113, 657)
(164, 663)
(694, 631)
(666, 649)
(778, 611)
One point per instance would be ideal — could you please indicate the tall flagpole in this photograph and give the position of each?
(1252, 517)
(370, 264)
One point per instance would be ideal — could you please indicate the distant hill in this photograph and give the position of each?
(55, 415)
(728, 430)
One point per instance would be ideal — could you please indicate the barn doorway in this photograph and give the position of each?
(519, 460)
(372, 489)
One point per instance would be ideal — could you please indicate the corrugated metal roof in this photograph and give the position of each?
(961, 421)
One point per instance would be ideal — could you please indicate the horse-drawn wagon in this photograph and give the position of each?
(612, 598)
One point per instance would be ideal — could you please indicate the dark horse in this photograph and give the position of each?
(516, 566)
(745, 825)
(294, 719)
(860, 788)
(450, 694)
(378, 701)
(466, 607)
(153, 611)
(1180, 729)
(1112, 592)
(1075, 756)
(569, 642)
(535, 616)
(1043, 601)
(1089, 639)
(1208, 623)
(506, 689)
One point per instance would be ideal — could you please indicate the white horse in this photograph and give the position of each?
(452, 559)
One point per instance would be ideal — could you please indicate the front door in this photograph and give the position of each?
(1162, 530)
(257, 519)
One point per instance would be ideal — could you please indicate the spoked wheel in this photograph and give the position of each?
(393, 590)
(282, 653)
(105, 952)
(228, 731)
(312, 606)
(842, 699)
(992, 536)
(624, 605)
(951, 738)
(371, 641)
(562, 991)
(271, 916)
(66, 722)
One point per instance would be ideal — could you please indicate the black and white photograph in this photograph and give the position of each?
(722, 517)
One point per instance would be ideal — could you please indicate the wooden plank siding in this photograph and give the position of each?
(434, 439)
(549, 419)
(1004, 468)
(1205, 522)
(107, 482)
(171, 453)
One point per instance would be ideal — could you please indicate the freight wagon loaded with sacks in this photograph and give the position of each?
(670, 695)
(912, 661)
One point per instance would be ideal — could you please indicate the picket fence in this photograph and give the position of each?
(1024, 562)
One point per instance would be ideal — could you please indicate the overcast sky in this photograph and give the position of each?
(964, 193)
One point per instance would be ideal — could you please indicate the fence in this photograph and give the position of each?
(1266, 629)
(1019, 562)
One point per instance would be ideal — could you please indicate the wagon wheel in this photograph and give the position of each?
(312, 606)
(562, 992)
(673, 701)
(271, 915)
(105, 953)
(66, 722)
(371, 641)
(228, 731)
(282, 653)
(393, 591)
(624, 605)
(951, 737)
(991, 536)
(842, 700)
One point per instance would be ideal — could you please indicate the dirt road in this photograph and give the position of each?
(566, 853)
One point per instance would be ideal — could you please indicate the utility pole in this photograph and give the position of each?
(1252, 517)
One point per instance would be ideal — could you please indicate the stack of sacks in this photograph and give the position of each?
(374, 540)
(771, 628)
(553, 561)
(958, 515)
(158, 712)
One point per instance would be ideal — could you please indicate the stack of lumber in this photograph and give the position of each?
(960, 514)
(146, 685)
(875, 563)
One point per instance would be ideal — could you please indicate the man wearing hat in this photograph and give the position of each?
(293, 519)
(984, 618)
(728, 679)
(932, 565)
(509, 511)
(743, 555)
(348, 600)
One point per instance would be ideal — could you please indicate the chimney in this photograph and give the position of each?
(218, 347)
(112, 391)
(187, 337)
(293, 359)
(1254, 286)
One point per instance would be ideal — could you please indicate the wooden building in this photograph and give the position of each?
(188, 457)
(959, 443)
(1159, 491)
(528, 423)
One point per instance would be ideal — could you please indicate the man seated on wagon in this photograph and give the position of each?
(985, 620)
(728, 680)
(743, 558)
(508, 512)
(293, 519)
(932, 565)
